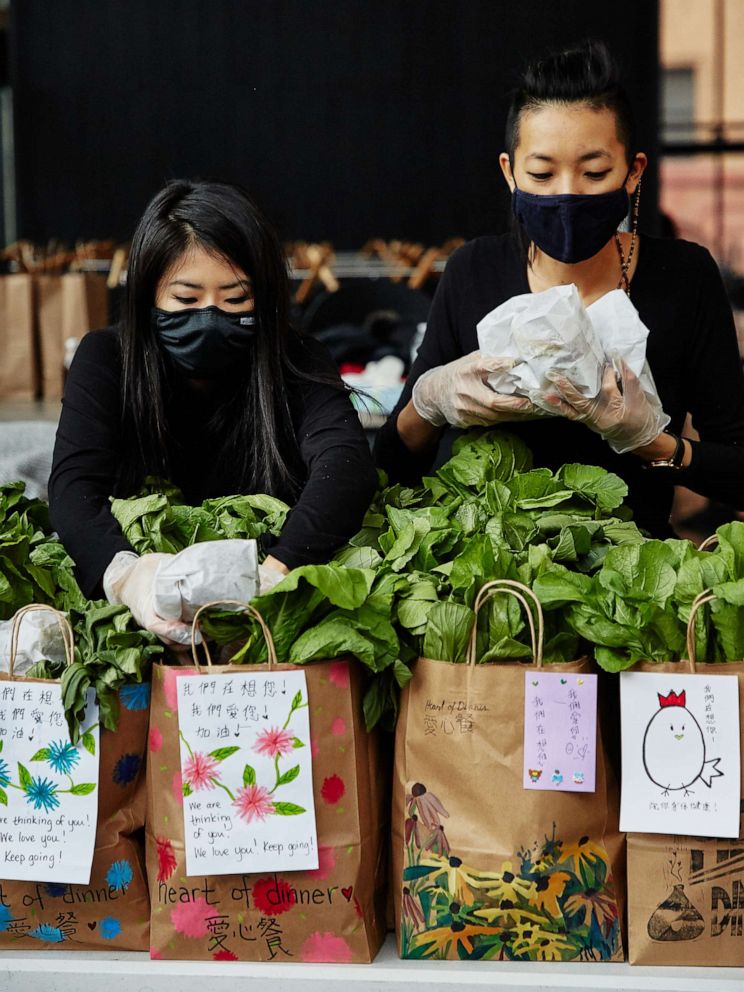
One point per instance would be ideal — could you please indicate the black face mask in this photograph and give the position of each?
(570, 227)
(206, 343)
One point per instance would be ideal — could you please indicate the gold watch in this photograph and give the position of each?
(676, 457)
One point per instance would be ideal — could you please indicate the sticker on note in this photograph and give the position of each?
(560, 731)
(681, 751)
(246, 769)
(48, 786)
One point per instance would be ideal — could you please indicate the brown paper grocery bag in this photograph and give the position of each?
(483, 868)
(335, 913)
(69, 306)
(686, 894)
(111, 912)
(19, 372)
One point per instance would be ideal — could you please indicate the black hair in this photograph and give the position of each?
(254, 417)
(585, 74)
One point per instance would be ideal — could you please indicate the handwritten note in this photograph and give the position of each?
(246, 768)
(560, 731)
(48, 786)
(681, 753)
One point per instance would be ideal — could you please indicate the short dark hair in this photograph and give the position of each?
(585, 74)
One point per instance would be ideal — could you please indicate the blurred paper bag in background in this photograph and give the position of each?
(19, 374)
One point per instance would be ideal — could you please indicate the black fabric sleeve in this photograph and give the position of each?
(340, 475)
(439, 346)
(86, 457)
(716, 394)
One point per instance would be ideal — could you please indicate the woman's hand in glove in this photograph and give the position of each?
(130, 580)
(458, 394)
(623, 413)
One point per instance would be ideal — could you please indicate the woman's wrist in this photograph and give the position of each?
(663, 447)
(416, 433)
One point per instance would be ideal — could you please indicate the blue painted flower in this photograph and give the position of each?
(56, 889)
(110, 927)
(4, 774)
(126, 768)
(63, 756)
(41, 793)
(135, 696)
(119, 875)
(47, 933)
(5, 917)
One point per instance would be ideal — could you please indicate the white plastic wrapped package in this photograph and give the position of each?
(213, 571)
(39, 639)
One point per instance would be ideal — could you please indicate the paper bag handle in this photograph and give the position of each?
(15, 632)
(245, 608)
(706, 596)
(522, 593)
(709, 542)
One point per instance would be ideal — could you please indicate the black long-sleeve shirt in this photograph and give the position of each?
(691, 349)
(339, 481)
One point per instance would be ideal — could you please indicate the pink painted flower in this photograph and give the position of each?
(314, 748)
(225, 955)
(324, 947)
(338, 727)
(199, 771)
(177, 787)
(274, 742)
(339, 674)
(156, 740)
(332, 789)
(170, 674)
(253, 802)
(326, 862)
(167, 861)
(155, 954)
(190, 918)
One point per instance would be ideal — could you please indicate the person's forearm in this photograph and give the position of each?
(663, 446)
(416, 433)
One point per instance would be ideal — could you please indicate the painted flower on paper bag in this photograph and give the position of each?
(126, 768)
(155, 954)
(56, 889)
(326, 862)
(177, 788)
(273, 895)
(110, 927)
(171, 674)
(338, 727)
(190, 918)
(199, 771)
(333, 789)
(62, 756)
(119, 875)
(326, 947)
(5, 918)
(136, 695)
(253, 802)
(225, 955)
(274, 742)
(339, 674)
(430, 810)
(155, 740)
(412, 910)
(167, 861)
(48, 933)
(4, 774)
(42, 794)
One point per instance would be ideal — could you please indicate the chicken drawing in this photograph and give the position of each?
(674, 748)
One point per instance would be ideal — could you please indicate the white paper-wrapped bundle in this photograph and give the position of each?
(39, 639)
(213, 571)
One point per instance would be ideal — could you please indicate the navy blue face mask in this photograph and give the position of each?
(570, 227)
(205, 343)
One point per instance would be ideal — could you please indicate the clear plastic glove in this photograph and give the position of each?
(622, 413)
(130, 580)
(457, 394)
(270, 574)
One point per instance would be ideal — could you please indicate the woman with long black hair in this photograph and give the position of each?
(573, 168)
(204, 383)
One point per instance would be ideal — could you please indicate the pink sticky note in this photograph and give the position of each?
(560, 731)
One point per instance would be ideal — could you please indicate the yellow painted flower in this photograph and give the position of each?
(585, 852)
(456, 878)
(506, 885)
(599, 902)
(541, 945)
(446, 939)
(548, 889)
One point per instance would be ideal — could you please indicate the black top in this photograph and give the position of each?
(339, 482)
(691, 349)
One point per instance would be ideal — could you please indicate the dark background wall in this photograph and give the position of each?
(347, 119)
